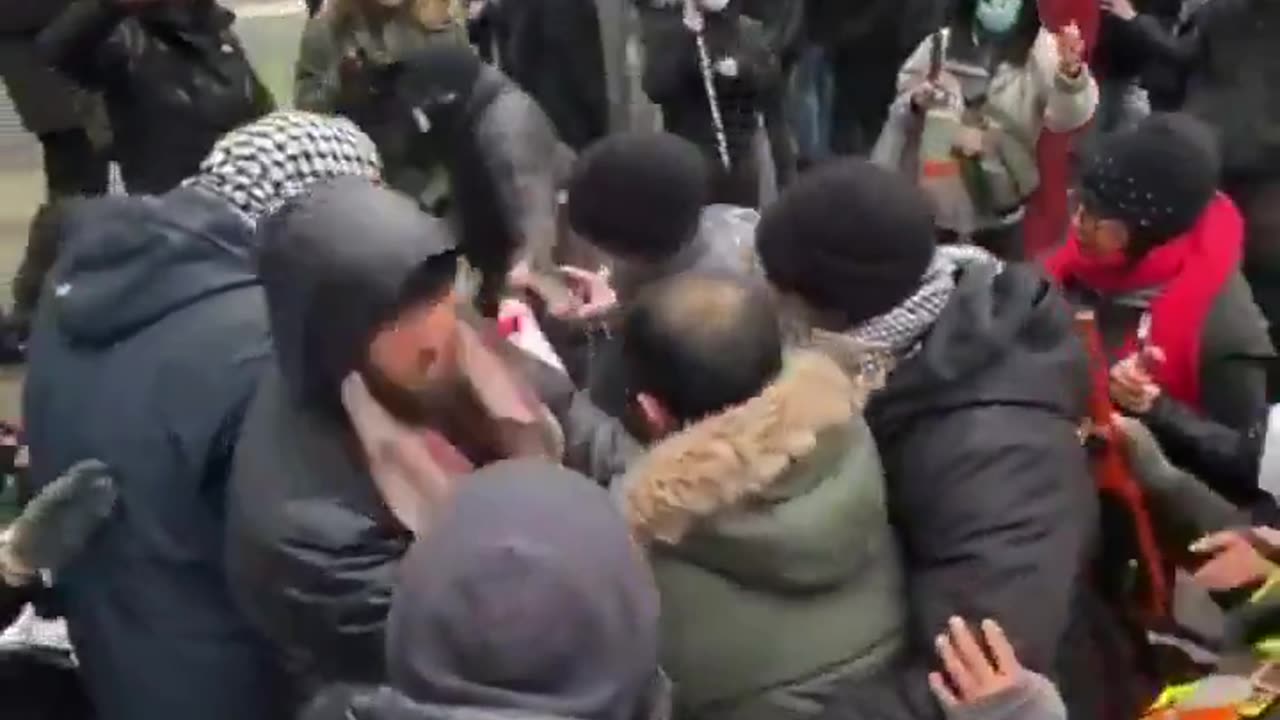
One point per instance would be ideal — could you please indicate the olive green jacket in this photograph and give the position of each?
(772, 549)
(321, 86)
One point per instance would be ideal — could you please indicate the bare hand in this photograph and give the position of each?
(593, 288)
(728, 67)
(969, 141)
(1122, 9)
(1235, 562)
(973, 675)
(1070, 50)
(926, 95)
(1132, 387)
(693, 17)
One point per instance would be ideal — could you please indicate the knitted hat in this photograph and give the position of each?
(263, 165)
(1157, 178)
(639, 194)
(850, 238)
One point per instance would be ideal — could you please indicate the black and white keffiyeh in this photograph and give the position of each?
(899, 330)
(261, 166)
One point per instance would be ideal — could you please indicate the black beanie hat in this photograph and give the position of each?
(1156, 178)
(850, 238)
(639, 195)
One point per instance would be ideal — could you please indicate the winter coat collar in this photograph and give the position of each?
(744, 452)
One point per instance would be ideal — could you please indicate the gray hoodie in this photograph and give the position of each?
(1033, 698)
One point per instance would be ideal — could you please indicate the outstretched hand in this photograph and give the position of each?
(974, 675)
(1070, 50)
(1234, 561)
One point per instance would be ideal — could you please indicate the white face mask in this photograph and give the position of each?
(713, 6)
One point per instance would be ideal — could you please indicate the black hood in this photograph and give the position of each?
(334, 264)
(529, 595)
(1004, 338)
(128, 262)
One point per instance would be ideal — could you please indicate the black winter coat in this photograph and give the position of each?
(1232, 69)
(174, 78)
(313, 550)
(673, 80)
(989, 487)
(145, 353)
(552, 49)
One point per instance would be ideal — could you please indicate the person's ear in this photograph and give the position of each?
(657, 420)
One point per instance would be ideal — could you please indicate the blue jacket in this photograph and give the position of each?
(146, 349)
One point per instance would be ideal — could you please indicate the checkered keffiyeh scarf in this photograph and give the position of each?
(261, 166)
(899, 330)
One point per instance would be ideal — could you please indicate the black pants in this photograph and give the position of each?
(864, 86)
(73, 167)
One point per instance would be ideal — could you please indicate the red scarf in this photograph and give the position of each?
(1189, 271)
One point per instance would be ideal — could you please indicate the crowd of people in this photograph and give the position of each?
(446, 393)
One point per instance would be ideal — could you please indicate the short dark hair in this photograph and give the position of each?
(700, 343)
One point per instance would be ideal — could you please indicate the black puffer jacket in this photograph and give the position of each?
(174, 78)
(145, 354)
(313, 550)
(989, 487)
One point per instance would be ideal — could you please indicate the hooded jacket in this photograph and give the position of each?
(313, 550)
(145, 354)
(787, 535)
(528, 599)
(989, 487)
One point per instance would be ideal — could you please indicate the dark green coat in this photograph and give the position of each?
(772, 549)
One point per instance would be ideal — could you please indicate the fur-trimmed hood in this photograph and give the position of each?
(790, 479)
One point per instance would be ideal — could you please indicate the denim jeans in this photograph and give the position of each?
(810, 107)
